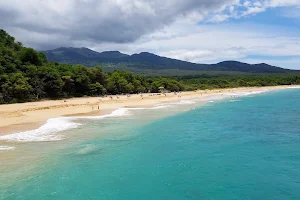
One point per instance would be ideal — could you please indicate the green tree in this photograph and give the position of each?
(68, 86)
(96, 89)
(15, 88)
(30, 56)
(51, 81)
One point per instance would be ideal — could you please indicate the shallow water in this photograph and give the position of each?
(238, 148)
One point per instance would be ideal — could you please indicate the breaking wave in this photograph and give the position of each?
(47, 132)
(6, 148)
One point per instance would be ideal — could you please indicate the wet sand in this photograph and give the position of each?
(31, 115)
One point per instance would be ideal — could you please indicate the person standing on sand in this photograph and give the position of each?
(98, 107)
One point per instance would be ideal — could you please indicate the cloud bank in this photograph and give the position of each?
(192, 30)
(118, 21)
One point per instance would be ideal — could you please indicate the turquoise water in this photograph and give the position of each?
(246, 148)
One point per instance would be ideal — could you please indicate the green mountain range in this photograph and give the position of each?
(146, 62)
(26, 74)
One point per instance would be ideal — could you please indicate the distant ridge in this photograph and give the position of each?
(149, 61)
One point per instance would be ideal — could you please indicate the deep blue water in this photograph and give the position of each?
(246, 149)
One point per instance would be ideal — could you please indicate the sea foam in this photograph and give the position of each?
(183, 102)
(294, 87)
(159, 107)
(87, 150)
(188, 102)
(6, 148)
(244, 93)
(45, 133)
(117, 113)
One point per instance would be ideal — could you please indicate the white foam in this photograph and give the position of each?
(171, 104)
(120, 112)
(184, 102)
(117, 113)
(44, 133)
(159, 107)
(294, 87)
(47, 132)
(6, 148)
(234, 100)
(87, 149)
(255, 92)
(244, 93)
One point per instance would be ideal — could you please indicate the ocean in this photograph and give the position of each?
(244, 147)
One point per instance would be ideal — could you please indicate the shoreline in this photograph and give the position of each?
(32, 115)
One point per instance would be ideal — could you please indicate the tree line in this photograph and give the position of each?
(26, 75)
(233, 80)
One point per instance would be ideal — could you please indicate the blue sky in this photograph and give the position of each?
(277, 22)
(283, 21)
(201, 31)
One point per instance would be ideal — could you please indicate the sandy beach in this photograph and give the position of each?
(29, 116)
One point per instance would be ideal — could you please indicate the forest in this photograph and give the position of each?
(26, 75)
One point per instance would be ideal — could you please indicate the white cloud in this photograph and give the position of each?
(219, 18)
(168, 27)
(119, 21)
(254, 10)
(289, 63)
(247, 3)
(257, 4)
(255, 7)
(231, 9)
(281, 3)
(204, 56)
(215, 43)
(261, 6)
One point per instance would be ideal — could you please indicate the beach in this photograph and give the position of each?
(28, 116)
(178, 147)
(229, 144)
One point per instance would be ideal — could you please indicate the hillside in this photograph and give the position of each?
(147, 61)
(26, 75)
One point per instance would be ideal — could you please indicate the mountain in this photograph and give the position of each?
(81, 55)
(144, 61)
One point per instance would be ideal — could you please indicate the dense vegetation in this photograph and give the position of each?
(206, 81)
(26, 75)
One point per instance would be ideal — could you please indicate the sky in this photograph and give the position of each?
(200, 31)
